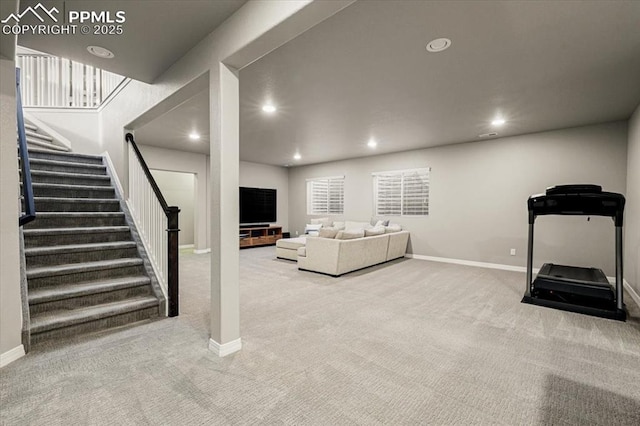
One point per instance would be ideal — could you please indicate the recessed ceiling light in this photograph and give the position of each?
(269, 108)
(194, 136)
(372, 143)
(498, 122)
(488, 135)
(438, 45)
(100, 52)
(297, 156)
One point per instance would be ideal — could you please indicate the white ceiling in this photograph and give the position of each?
(172, 129)
(156, 33)
(365, 73)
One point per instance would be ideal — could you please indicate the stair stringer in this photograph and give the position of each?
(149, 267)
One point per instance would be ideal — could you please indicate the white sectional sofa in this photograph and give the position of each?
(336, 257)
(287, 248)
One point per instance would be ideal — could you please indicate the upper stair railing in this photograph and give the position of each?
(27, 188)
(153, 216)
(50, 81)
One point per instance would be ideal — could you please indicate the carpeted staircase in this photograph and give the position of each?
(83, 267)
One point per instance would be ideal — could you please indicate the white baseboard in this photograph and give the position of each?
(112, 170)
(12, 355)
(207, 250)
(470, 263)
(631, 290)
(634, 294)
(226, 348)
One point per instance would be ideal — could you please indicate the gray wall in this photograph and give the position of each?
(178, 189)
(265, 176)
(187, 162)
(479, 191)
(80, 126)
(632, 212)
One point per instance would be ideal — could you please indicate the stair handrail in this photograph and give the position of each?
(27, 186)
(172, 232)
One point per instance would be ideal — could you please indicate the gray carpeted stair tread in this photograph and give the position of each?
(79, 215)
(76, 219)
(66, 190)
(58, 319)
(48, 294)
(30, 127)
(52, 204)
(36, 163)
(72, 157)
(79, 176)
(74, 268)
(83, 230)
(70, 186)
(76, 248)
(77, 200)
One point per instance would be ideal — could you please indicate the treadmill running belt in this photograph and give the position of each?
(590, 282)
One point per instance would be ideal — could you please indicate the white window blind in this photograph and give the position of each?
(325, 195)
(402, 193)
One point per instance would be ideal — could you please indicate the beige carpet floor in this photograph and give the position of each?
(409, 342)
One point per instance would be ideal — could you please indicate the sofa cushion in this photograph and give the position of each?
(376, 230)
(302, 251)
(339, 225)
(350, 234)
(291, 243)
(327, 232)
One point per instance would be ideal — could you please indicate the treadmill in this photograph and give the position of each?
(571, 288)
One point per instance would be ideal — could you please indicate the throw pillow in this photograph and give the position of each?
(339, 225)
(328, 232)
(356, 225)
(376, 230)
(393, 227)
(324, 221)
(312, 227)
(350, 234)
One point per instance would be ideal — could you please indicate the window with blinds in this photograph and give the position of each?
(325, 195)
(402, 193)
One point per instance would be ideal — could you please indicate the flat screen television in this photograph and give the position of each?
(257, 205)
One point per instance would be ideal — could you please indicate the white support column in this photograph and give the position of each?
(225, 257)
(10, 300)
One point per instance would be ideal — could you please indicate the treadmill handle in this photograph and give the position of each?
(529, 260)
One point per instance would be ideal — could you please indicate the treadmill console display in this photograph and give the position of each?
(586, 200)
